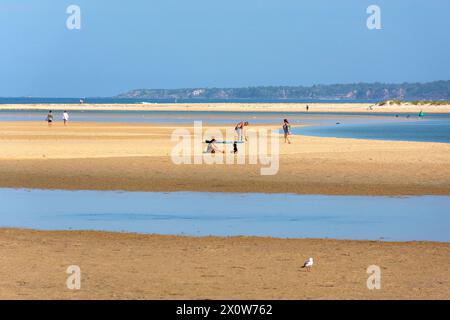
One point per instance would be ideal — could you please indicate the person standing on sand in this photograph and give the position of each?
(240, 130)
(307, 108)
(49, 118)
(286, 130)
(65, 117)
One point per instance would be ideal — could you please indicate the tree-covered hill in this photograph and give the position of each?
(437, 90)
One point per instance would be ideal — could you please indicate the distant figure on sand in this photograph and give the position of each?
(287, 131)
(212, 148)
(307, 108)
(240, 130)
(49, 118)
(65, 117)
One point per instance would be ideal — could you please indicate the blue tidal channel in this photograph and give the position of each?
(230, 214)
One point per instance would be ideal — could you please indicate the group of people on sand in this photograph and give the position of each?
(49, 118)
(238, 129)
(240, 134)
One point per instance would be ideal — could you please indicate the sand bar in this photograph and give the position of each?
(109, 156)
(238, 107)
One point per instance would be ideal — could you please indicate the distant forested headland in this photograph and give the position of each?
(437, 90)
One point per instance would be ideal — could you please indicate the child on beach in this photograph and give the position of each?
(287, 131)
(49, 118)
(235, 148)
(240, 130)
(65, 117)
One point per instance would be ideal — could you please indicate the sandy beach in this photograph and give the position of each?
(121, 156)
(137, 157)
(131, 266)
(239, 107)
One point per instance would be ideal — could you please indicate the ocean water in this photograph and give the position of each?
(164, 117)
(188, 117)
(431, 129)
(226, 214)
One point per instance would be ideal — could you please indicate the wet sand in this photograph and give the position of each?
(131, 266)
(107, 156)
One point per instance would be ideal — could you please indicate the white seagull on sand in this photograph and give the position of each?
(308, 264)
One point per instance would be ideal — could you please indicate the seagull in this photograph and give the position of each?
(308, 264)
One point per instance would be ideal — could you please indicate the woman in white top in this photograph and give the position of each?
(65, 117)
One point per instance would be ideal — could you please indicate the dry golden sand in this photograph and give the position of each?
(130, 266)
(136, 157)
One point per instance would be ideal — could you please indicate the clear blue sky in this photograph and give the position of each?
(125, 45)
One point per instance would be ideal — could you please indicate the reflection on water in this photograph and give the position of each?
(225, 214)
